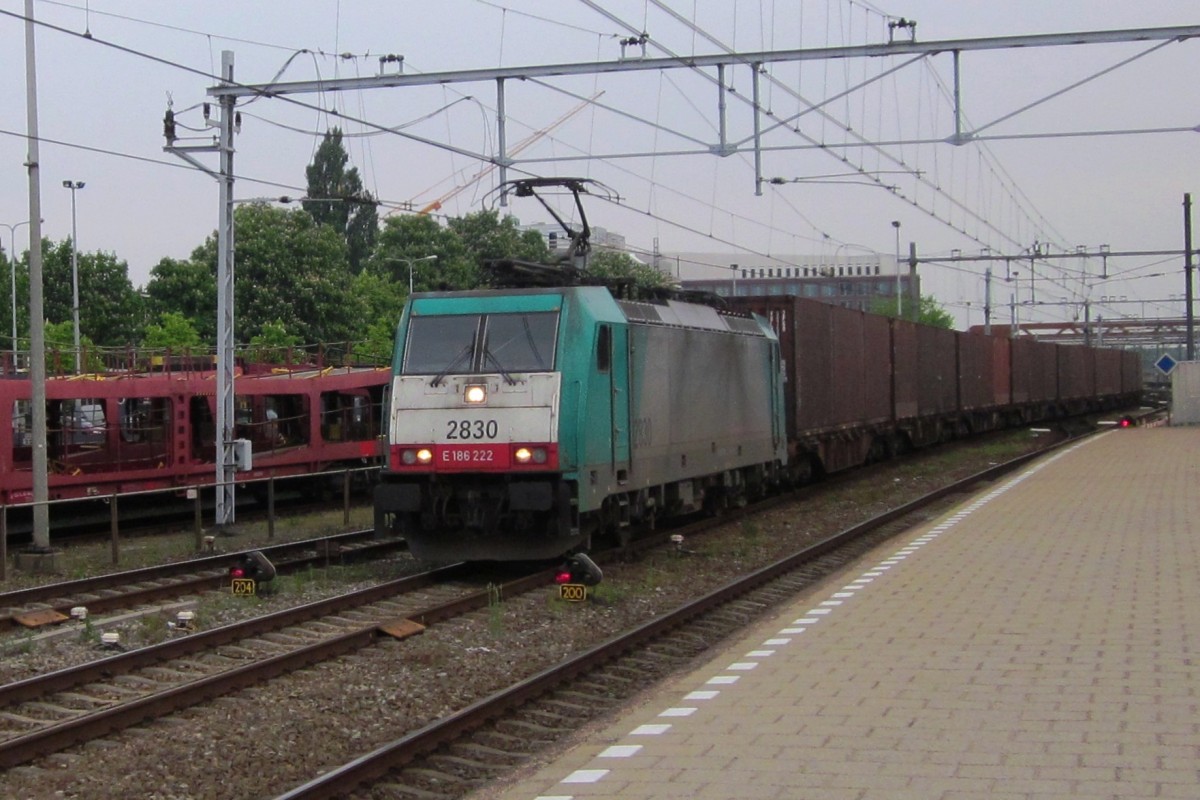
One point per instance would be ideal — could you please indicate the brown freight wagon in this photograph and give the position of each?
(861, 386)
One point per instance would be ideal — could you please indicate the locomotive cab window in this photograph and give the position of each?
(470, 344)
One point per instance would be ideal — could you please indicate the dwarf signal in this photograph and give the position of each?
(250, 570)
(575, 576)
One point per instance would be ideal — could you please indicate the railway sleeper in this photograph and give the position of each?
(527, 729)
(507, 742)
(473, 768)
(593, 695)
(476, 750)
(548, 717)
(565, 706)
(436, 776)
(404, 790)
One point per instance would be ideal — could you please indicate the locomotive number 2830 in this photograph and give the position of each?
(459, 429)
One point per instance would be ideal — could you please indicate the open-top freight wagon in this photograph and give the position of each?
(861, 386)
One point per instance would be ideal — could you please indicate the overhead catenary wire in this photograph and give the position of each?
(773, 225)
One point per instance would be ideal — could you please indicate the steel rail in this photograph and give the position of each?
(209, 572)
(85, 727)
(394, 755)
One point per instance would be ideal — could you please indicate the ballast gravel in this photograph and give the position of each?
(275, 736)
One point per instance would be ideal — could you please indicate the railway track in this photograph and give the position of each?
(133, 588)
(46, 713)
(462, 751)
(444, 757)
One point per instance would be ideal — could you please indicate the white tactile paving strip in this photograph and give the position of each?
(798, 626)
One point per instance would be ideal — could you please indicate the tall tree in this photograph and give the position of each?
(405, 240)
(110, 311)
(188, 288)
(336, 198)
(288, 270)
(615, 264)
(21, 288)
(173, 332)
(487, 237)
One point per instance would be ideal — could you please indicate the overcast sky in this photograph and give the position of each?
(102, 99)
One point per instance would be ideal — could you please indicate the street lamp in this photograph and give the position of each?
(12, 257)
(899, 296)
(73, 185)
(410, 262)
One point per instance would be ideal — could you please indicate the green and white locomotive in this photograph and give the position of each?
(524, 423)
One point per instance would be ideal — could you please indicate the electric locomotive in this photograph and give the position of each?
(524, 422)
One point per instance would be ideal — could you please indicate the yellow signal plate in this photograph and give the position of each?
(572, 592)
(244, 587)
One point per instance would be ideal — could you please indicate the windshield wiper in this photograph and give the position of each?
(488, 356)
(532, 342)
(460, 358)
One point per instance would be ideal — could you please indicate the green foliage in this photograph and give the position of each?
(380, 296)
(495, 609)
(173, 332)
(9, 264)
(379, 343)
(615, 264)
(274, 334)
(273, 343)
(291, 270)
(929, 312)
(406, 239)
(60, 349)
(188, 288)
(110, 312)
(337, 199)
(153, 629)
(488, 237)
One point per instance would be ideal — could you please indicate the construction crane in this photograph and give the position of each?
(436, 205)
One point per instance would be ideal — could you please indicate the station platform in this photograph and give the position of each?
(1041, 640)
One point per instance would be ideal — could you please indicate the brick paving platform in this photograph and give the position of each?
(1038, 641)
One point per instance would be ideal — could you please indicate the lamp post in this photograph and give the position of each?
(12, 257)
(899, 296)
(73, 186)
(410, 262)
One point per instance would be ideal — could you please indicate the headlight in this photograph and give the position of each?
(420, 456)
(475, 394)
(526, 455)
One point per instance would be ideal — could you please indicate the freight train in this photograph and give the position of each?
(525, 422)
(153, 427)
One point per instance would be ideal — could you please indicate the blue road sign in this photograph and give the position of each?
(1166, 364)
